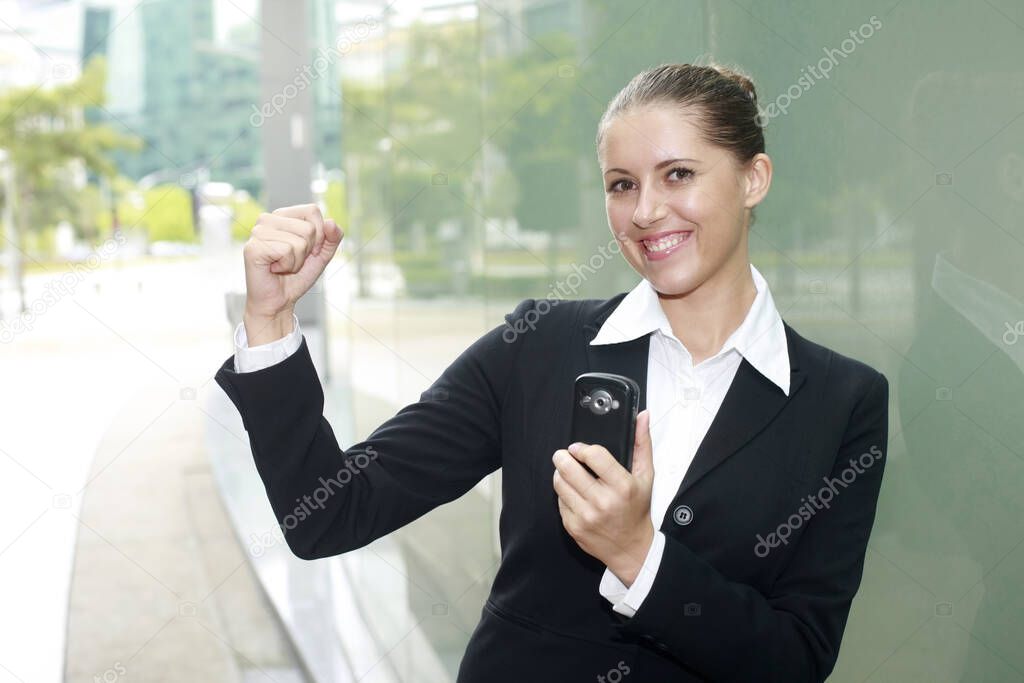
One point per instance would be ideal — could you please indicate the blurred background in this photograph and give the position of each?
(454, 142)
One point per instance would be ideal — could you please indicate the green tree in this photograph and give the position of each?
(335, 203)
(44, 132)
(543, 138)
(168, 214)
(246, 212)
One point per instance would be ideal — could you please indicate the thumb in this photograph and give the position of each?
(332, 238)
(643, 452)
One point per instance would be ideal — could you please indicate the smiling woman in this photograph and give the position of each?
(682, 155)
(652, 572)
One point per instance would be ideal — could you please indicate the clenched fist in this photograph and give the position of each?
(286, 253)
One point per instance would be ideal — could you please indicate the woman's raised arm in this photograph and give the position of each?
(329, 500)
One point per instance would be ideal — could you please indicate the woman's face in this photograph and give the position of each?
(662, 179)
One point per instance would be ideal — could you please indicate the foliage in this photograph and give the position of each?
(247, 211)
(336, 205)
(48, 139)
(168, 214)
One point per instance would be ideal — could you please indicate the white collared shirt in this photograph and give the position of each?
(683, 399)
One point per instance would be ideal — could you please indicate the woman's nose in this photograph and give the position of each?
(650, 208)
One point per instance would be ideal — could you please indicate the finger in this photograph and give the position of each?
(573, 473)
(333, 235)
(304, 228)
(572, 520)
(287, 262)
(601, 461)
(567, 494)
(297, 226)
(263, 233)
(306, 212)
(298, 210)
(284, 252)
(566, 512)
(264, 251)
(643, 449)
(332, 231)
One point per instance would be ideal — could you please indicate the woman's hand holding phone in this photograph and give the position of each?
(609, 517)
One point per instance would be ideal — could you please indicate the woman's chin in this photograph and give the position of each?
(677, 282)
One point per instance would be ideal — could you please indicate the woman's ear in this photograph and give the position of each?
(758, 177)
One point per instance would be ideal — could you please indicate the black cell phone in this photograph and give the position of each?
(604, 411)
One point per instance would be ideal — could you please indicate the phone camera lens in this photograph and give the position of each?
(601, 402)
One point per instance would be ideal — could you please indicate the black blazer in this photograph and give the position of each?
(731, 600)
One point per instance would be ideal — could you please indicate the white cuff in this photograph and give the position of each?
(627, 601)
(250, 359)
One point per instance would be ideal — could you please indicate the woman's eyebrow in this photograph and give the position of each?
(661, 164)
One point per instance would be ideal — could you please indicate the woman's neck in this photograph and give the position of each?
(703, 318)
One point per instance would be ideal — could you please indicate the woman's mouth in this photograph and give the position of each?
(666, 245)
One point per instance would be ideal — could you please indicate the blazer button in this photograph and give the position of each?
(683, 515)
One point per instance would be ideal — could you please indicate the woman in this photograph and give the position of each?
(732, 549)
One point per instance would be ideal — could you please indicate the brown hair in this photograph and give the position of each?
(722, 100)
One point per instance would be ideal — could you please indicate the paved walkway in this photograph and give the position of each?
(161, 589)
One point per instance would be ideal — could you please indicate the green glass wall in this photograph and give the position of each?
(892, 233)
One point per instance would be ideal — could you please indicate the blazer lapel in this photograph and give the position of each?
(750, 404)
(625, 358)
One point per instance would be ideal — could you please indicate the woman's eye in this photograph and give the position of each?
(681, 170)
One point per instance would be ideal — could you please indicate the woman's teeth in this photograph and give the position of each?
(667, 241)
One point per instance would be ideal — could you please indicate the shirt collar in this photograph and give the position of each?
(760, 338)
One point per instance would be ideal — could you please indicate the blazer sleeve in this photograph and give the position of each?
(329, 500)
(729, 631)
